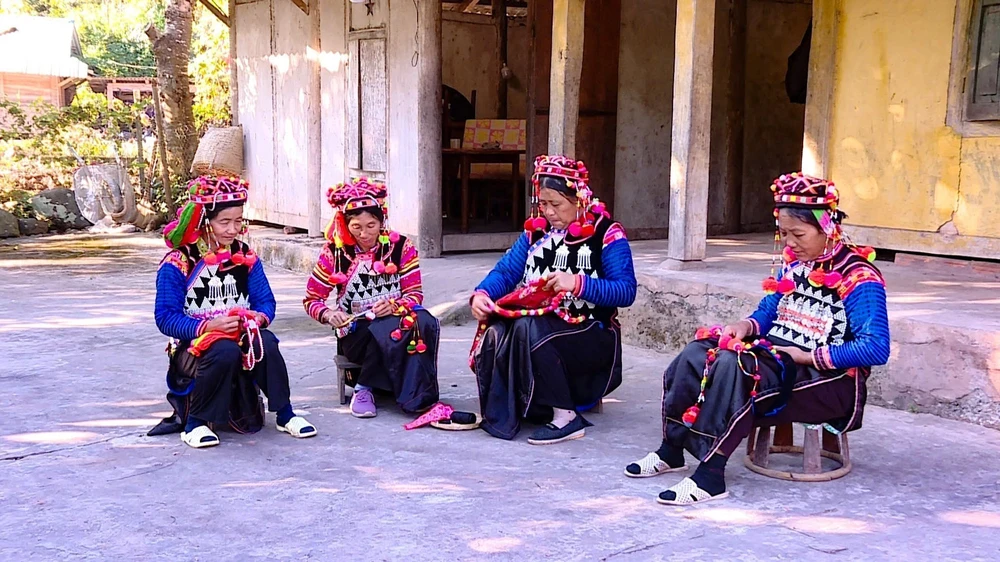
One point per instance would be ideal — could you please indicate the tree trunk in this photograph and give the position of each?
(172, 50)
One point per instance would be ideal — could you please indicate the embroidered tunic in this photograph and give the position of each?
(189, 292)
(363, 287)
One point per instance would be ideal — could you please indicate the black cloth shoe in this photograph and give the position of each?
(550, 434)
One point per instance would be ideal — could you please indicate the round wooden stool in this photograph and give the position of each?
(834, 447)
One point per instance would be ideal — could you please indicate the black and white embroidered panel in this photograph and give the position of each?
(365, 288)
(810, 317)
(213, 292)
(550, 254)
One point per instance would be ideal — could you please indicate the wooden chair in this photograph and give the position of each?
(343, 364)
(814, 448)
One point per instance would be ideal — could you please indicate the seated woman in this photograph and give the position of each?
(545, 367)
(803, 356)
(375, 275)
(214, 301)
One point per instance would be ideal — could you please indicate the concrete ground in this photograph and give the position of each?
(82, 365)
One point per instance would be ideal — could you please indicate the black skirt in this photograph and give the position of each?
(386, 364)
(527, 366)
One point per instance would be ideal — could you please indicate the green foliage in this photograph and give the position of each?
(209, 69)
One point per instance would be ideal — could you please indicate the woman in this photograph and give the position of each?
(214, 301)
(379, 322)
(547, 367)
(803, 356)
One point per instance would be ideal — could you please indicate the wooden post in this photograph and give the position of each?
(234, 71)
(500, 23)
(567, 65)
(168, 192)
(819, 96)
(143, 186)
(314, 130)
(694, 46)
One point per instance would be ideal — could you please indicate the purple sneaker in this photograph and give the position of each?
(363, 404)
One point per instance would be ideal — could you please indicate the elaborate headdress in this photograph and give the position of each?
(577, 183)
(360, 195)
(821, 197)
(205, 193)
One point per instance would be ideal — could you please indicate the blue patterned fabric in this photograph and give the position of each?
(616, 289)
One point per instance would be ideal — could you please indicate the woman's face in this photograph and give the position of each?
(559, 210)
(365, 229)
(227, 225)
(805, 239)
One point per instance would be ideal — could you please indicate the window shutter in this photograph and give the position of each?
(374, 94)
(983, 84)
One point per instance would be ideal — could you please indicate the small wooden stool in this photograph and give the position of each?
(343, 364)
(760, 445)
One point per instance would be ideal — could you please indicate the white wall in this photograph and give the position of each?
(333, 60)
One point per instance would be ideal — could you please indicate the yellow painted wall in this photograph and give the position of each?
(897, 164)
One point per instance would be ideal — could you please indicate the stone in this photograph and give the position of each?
(8, 225)
(58, 206)
(31, 227)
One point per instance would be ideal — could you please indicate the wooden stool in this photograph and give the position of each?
(760, 445)
(342, 366)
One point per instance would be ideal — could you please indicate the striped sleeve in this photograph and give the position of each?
(319, 288)
(409, 275)
(171, 287)
(617, 287)
(507, 273)
(869, 322)
(261, 297)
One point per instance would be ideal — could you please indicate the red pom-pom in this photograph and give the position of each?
(817, 277)
(724, 341)
(211, 259)
(702, 334)
(529, 225)
(770, 285)
(587, 230)
(396, 335)
(338, 279)
(407, 322)
(788, 255)
(391, 268)
(421, 347)
(832, 280)
(690, 415)
(786, 286)
(251, 258)
(379, 267)
(540, 223)
(868, 253)
(238, 259)
(393, 237)
(575, 229)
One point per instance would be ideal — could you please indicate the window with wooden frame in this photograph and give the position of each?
(982, 84)
(367, 97)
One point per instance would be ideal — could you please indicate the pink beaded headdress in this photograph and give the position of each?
(205, 193)
(577, 179)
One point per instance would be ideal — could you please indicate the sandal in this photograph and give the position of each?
(651, 465)
(200, 437)
(459, 421)
(686, 492)
(297, 427)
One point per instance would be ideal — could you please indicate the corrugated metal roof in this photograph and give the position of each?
(40, 45)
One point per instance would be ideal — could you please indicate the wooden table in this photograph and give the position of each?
(469, 156)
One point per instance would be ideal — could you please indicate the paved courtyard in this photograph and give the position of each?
(82, 371)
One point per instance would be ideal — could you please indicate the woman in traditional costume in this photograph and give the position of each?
(803, 356)
(214, 302)
(373, 274)
(549, 362)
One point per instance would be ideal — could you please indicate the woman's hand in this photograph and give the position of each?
(800, 356)
(739, 330)
(560, 282)
(482, 307)
(382, 308)
(226, 324)
(336, 318)
(261, 318)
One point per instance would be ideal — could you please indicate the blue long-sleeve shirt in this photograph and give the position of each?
(171, 290)
(616, 288)
(867, 316)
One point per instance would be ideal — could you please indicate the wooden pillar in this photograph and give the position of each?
(110, 93)
(500, 23)
(694, 44)
(314, 132)
(819, 97)
(234, 74)
(567, 65)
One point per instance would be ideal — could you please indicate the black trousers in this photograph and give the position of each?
(216, 389)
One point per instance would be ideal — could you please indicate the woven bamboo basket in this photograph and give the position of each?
(220, 152)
